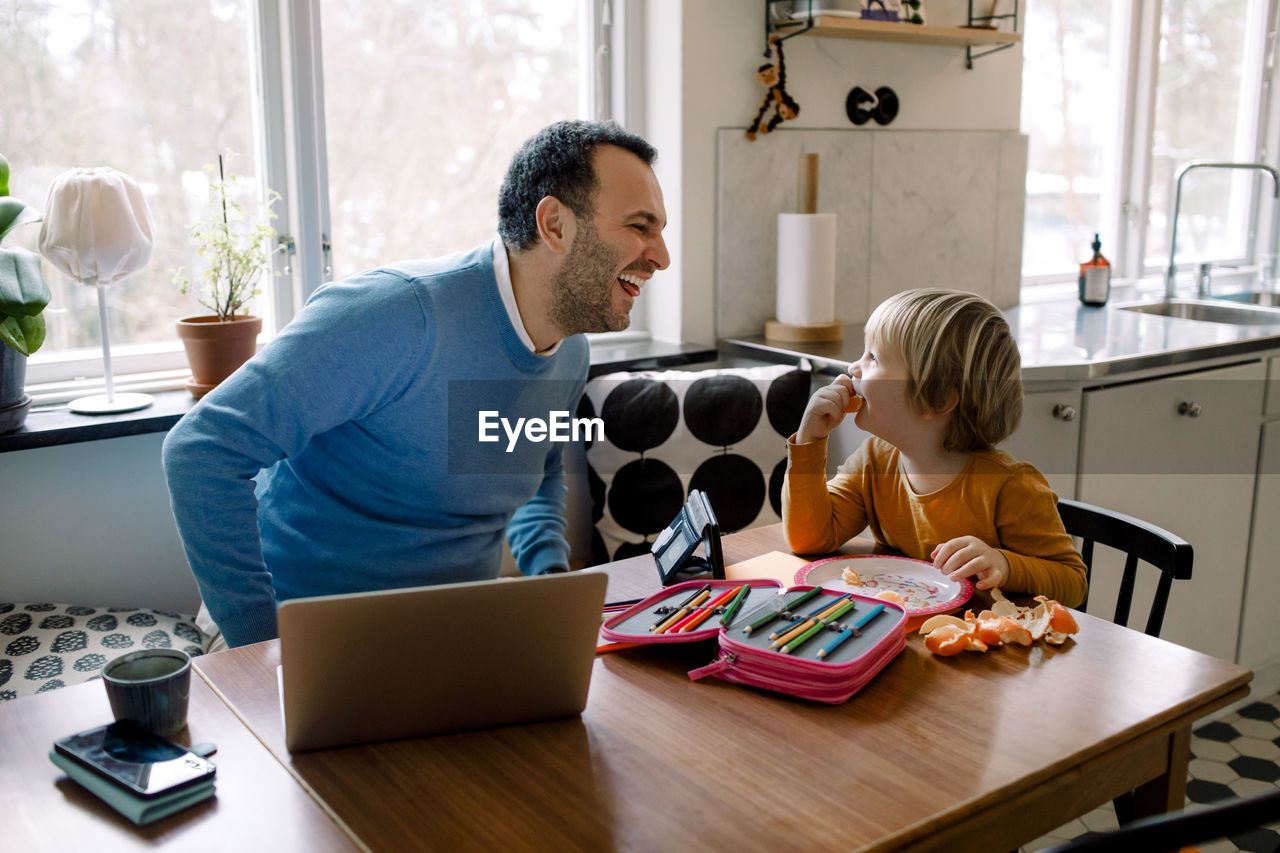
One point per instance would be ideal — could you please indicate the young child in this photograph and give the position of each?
(937, 387)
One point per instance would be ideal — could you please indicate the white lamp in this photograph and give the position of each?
(97, 230)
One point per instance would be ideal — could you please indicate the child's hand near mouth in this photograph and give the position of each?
(827, 409)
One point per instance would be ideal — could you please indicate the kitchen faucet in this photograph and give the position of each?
(1177, 197)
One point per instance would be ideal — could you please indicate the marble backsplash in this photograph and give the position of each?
(913, 209)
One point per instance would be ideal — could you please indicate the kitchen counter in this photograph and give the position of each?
(1062, 340)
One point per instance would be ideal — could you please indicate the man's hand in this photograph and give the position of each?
(969, 556)
(826, 410)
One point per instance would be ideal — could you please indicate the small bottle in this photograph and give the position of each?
(1095, 277)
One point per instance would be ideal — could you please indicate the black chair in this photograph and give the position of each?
(1173, 830)
(1140, 542)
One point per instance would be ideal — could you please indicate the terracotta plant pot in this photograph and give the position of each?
(216, 348)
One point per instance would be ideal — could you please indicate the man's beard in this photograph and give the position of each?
(582, 291)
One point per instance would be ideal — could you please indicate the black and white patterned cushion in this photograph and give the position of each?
(46, 646)
(667, 432)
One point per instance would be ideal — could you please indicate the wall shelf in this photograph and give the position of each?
(986, 38)
(832, 26)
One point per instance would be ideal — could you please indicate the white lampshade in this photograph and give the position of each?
(97, 230)
(97, 226)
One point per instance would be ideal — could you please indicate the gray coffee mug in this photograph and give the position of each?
(150, 687)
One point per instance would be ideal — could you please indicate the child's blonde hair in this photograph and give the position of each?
(954, 343)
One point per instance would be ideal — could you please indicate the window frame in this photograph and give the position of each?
(1127, 208)
(290, 156)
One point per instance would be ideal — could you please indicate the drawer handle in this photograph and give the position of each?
(1064, 412)
(1191, 410)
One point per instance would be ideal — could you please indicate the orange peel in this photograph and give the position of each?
(1002, 606)
(1035, 620)
(1006, 623)
(1060, 618)
(947, 640)
(942, 619)
(855, 404)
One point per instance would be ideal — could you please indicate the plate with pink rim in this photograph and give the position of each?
(924, 589)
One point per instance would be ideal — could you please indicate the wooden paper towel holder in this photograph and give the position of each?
(776, 330)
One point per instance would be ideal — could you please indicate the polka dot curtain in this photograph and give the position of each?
(722, 431)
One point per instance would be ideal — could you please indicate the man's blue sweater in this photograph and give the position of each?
(362, 418)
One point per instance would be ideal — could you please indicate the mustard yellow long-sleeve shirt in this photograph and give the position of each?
(1005, 503)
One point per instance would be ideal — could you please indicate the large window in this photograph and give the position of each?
(386, 126)
(1115, 96)
(424, 105)
(155, 90)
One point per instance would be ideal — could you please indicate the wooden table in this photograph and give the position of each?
(258, 806)
(975, 752)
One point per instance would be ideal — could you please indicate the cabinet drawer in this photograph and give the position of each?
(1177, 425)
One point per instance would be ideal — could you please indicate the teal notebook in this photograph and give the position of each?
(140, 810)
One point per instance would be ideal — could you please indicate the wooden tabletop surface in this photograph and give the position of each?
(258, 805)
(980, 751)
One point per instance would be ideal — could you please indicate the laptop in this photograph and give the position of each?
(372, 666)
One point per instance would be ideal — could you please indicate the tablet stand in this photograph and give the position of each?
(695, 525)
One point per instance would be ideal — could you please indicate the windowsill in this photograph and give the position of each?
(54, 425)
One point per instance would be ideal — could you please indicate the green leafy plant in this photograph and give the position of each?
(23, 291)
(235, 243)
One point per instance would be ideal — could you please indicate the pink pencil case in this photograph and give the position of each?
(857, 641)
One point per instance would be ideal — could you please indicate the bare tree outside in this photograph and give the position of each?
(1202, 49)
(152, 88)
(425, 104)
(1070, 88)
(1068, 114)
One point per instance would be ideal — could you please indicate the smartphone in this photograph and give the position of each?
(131, 756)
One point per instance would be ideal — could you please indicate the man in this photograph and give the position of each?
(362, 415)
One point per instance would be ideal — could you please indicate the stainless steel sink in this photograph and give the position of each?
(1269, 298)
(1211, 311)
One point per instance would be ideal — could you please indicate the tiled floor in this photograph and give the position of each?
(1235, 756)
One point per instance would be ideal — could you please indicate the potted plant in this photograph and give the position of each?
(236, 243)
(23, 297)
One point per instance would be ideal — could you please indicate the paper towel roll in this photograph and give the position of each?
(806, 268)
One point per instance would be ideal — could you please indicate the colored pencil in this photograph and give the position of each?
(848, 632)
(735, 604)
(698, 617)
(775, 610)
(809, 623)
(818, 626)
(680, 614)
(684, 603)
(805, 618)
